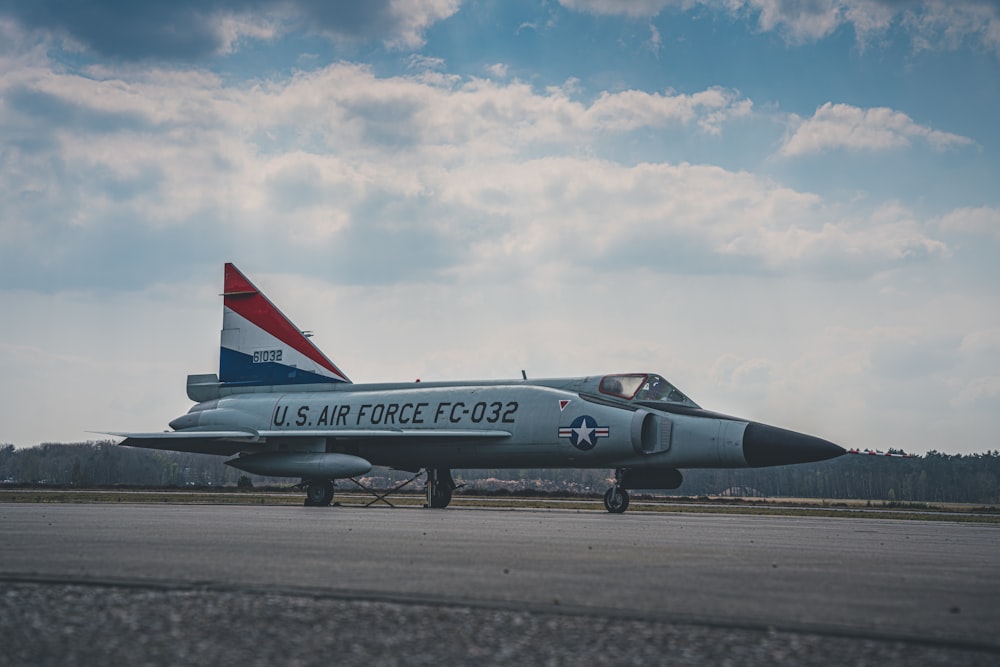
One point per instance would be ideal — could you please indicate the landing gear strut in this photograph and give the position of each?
(319, 493)
(616, 498)
(439, 487)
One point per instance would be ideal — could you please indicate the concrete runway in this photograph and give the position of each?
(934, 585)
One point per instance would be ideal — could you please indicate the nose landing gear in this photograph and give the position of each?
(616, 498)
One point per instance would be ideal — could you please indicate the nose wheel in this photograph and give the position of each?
(616, 499)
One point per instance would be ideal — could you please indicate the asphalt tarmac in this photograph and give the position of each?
(237, 584)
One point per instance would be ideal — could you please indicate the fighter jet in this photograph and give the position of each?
(278, 406)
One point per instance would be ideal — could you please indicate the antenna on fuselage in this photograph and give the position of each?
(524, 376)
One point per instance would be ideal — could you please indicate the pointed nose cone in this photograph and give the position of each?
(765, 445)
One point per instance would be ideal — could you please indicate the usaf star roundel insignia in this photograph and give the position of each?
(584, 432)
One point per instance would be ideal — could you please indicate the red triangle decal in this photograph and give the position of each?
(562, 404)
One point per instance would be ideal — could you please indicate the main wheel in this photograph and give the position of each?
(441, 496)
(439, 487)
(616, 500)
(319, 493)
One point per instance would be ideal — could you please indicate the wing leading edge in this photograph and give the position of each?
(235, 441)
(230, 443)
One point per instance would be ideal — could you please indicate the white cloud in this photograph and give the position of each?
(810, 21)
(945, 24)
(234, 28)
(842, 126)
(655, 41)
(931, 24)
(984, 221)
(413, 17)
(632, 109)
(497, 70)
(632, 8)
(673, 219)
(421, 62)
(324, 150)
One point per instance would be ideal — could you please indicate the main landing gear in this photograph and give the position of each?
(439, 487)
(319, 492)
(616, 498)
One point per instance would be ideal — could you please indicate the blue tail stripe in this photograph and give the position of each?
(238, 368)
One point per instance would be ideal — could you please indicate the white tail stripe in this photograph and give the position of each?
(241, 335)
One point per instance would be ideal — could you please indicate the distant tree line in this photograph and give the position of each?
(936, 477)
(91, 464)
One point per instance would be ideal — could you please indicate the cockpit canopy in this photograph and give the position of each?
(643, 387)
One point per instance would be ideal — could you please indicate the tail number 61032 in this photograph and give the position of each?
(265, 356)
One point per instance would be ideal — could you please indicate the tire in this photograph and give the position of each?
(616, 500)
(319, 493)
(441, 496)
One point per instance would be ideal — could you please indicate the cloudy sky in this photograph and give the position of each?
(791, 209)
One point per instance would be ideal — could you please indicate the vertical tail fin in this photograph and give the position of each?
(260, 346)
